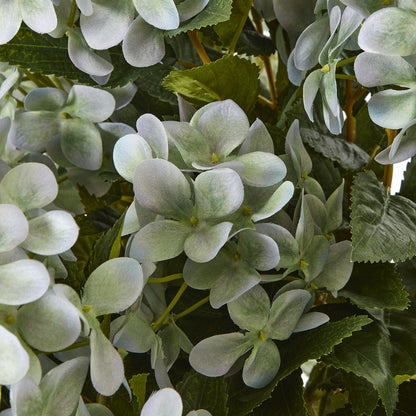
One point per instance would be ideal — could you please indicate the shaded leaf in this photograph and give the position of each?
(367, 354)
(361, 394)
(390, 292)
(408, 185)
(200, 392)
(138, 387)
(348, 155)
(217, 81)
(383, 226)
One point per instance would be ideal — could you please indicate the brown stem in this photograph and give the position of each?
(193, 36)
(186, 65)
(388, 169)
(264, 101)
(350, 123)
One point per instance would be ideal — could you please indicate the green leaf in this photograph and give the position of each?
(408, 185)
(286, 399)
(407, 399)
(390, 292)
(348, 155)
(216, 11)
(361, 394)
(229, 31)
(298, 349)
(200, 392)
(402, 327)
(138, 387)
(108, 246)
(380, 229)
(367, 354)
(216, 81)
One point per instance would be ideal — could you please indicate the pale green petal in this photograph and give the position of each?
(108, 17)
(113, 286)
(218, 193)
(257, 140)
(51, 323)
(143, 44)
(203, 244)
(10, 20)
(159, 13)
(153, 131)
(285, 313)
(161, 187)
(96, 409)
(13, 227)
(14, 360)
(224, 124)
(214, 356)
(30, 185)
(190, 8)
(25, 398)
(165, 402)
(81, 144)
(22, 281)
(45, 99)
(251, 310)
(62, 386)
(128, 152)
(131, 221)
(262, 365)
(160, 240)
(51, 233)
(315, 257)
(39, 15)
(311, 320)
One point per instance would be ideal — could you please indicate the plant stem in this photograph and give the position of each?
(71, 18)
(165, 279)
(239, 29)
(33, 78)
(191, 308)
(388, 169)
(193, 36)
(155, 325)
(344, 76)
(264, 101)
(348, 110)
(346, 61)
(62, 179)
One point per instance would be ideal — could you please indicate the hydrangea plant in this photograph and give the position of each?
(196, 211)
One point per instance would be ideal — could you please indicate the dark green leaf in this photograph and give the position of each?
(229, 77)
(298, 349)
(383, 226)
(216, 11)
(253, 43)
(367, 354)
(365, 278)
(108, 246)
(407, 399)
(361, 394)
(200, 392)
(408, 186)
(348, 155)
(402, 327)
(286, 400)
(138, 387)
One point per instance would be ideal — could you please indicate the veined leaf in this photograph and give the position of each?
(200, 392)
(298, 349)
(216, 11)
(348, 155)
(367, 354)
(361, 394)
(390, 292)
(408, 185)
(138, 386)
(216, 81)
(383, 226)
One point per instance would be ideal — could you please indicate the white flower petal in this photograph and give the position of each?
(13, 227)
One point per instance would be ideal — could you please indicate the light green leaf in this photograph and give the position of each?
(214, 82)
(380, 231)
(215, 12)
(367, 354)
(198, 391)
(390, 292)
(113, 286)
(137, 384)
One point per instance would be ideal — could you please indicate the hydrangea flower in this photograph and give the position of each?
(262, 323)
